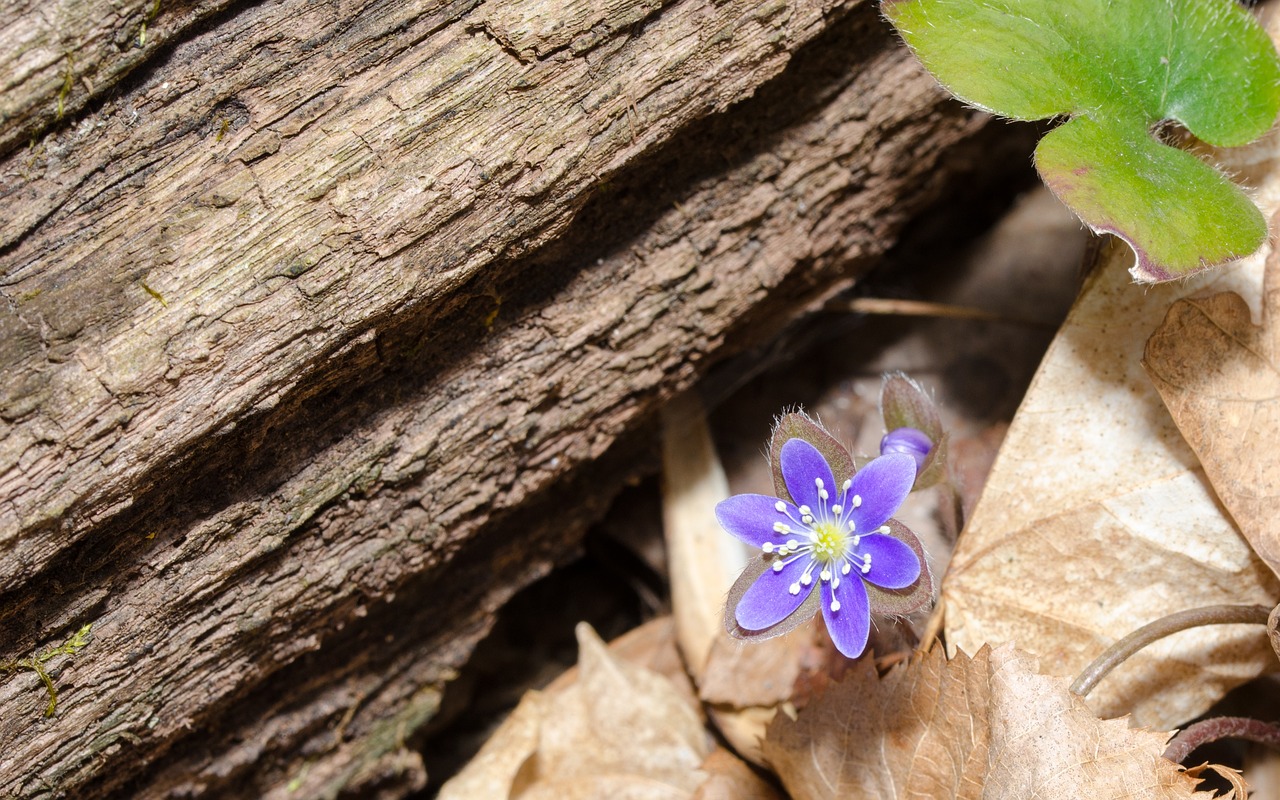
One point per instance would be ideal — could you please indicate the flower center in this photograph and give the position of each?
(829, 542)
(826, 541)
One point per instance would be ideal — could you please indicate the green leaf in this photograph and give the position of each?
(1118, 68)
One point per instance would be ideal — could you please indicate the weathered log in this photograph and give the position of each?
(332, 325)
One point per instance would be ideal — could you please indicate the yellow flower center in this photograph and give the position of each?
(829, 542)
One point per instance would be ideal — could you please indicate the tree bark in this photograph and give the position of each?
(327, 327)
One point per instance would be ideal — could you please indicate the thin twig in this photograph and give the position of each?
(922, 308)
(883, 663)
(1211, 730)
(932, 629)
(1114, 655)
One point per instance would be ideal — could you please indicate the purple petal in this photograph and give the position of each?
(893, 564)
(909, 441)
(750, 517)
(801, 465)
(882, 484)
(850, 626)
(769, 600)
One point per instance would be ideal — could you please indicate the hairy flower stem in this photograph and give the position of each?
(1211, 730)
(1114, 655)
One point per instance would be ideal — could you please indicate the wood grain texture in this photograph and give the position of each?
(336, 324)
(366, 171)
(58, 57)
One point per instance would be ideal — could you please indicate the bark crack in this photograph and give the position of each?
(503, 43)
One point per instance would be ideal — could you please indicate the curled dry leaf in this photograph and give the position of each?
(988, 727)
(619, 730)
(1232, 776)
(1273, 630)
(1219, 375)
(1097, 517)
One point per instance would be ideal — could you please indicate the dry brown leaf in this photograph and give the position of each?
(1219, 375)
(1097, 519)
(618, 731)
(989, 727)
(766, 673)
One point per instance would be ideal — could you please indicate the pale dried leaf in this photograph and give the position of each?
(1219, 375)
(622, 718)
(730, 778)
(704, 560)
(652, 646)
(493, 771)
(1097, 518)
(618, 731)
(989, 727)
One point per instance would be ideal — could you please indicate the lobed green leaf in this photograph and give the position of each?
(1118, 69)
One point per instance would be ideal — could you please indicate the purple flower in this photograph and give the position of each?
(910, 441)
(835, 537)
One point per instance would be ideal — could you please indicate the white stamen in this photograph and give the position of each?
(846, 485)
(853, 525)
(805, 511)
(857, 501)
(818, 481)
(835, 605)
(781, 506)
(825, 574)
(777, 566)
(767, 547)
(792, 545)
(806, 578)
(884, 529)
(837, 510)
(795, 588)
(845, 569)
(781, 527)
(866, 564)
(856, 539)
(822, 494)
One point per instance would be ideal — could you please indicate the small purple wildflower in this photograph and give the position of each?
(833, 536)
(911, 441)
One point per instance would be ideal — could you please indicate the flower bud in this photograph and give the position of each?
(909, 441)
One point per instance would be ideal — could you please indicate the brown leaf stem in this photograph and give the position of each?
(1211, 730)
(1116, 654)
